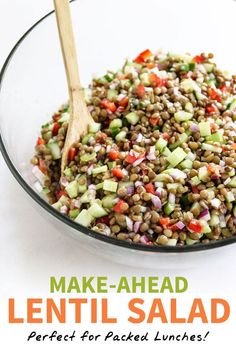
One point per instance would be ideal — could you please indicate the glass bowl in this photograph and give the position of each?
(33, 86)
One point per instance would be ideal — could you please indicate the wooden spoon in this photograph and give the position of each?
(80, 118)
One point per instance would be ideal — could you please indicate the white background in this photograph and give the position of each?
(31, 250)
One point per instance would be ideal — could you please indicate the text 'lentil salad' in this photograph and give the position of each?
(158, 166)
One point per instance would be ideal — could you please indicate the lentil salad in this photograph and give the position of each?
(158, 166)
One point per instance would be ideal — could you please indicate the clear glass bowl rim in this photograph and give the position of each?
(71, 223)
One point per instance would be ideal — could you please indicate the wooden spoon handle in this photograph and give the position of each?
(79, 115)
(64, 22)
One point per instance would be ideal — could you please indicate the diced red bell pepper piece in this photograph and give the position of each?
(211, 109)
(130, 159)
(103, 220)
(124, 102)
(118, 208)
(156, 81)
(173, 227)
(214, 95)
(150, 65)
(165, 136)
(195, 189)
(41, 141)
(199, 59)
(195, 226)
(60, 193)
(56, 117)
(105, 103)
(164, 221)
(113, 154)
(42, 166)
(72, 153)
(154, 121)
(149, 188)
(55, 128)
(140, 90)
(117, 172)
(143, 56)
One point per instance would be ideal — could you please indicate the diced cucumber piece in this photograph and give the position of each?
(145, 80)
(88, 157)
(233, 104)
(99, 186)
(121, 136)
(211, 148)
(82, 183)
(171, 242)
(65, 117)
(176, 156)
(199, 95)
(100, 169)
(57, 206)
(195, 181)
(55, 150)
(112, 94)
(209, 67)
(94, 127)
(84, 218)
(125, 184)
(110, 186)
(86, 138)
(173, 186)
(181, 139)
(87, 197)
(230, 197)
(115, 123)
(206, 228)
(68, 172)
(114, 131)
(182, 116)
(109, 77)
(203, 174)
(169, 208)
(166, 152)
(215, 220)
(232, 183)
(132, 118)
(161, 144)
(189, 85)
(218, 137)
(97, 210)
(45, 190)
(231, 173)
(111, 164)
(72, 189)
(195, 208)
(205, 128)
(109, 200)
(63, 200)
(186, 164)
(87, 94)
(124, 83)
(74, 213)
(190, 242)
(189, 107)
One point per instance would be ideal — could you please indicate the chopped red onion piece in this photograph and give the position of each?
(138, 183)
(64, 209)
(137, 225)
(194, 128)
(159, 191)
(97, 148)
(144, 239)
(64, 182)
(215, 202)
(77, 203)
(180, 225)
(227, 181)
(139, 138)
(92, 187)
(222, 220)
(108, 148)
(129, 223)
(90, 169)
(171, 198)
(203, 213)
(138, 161)
(38, 174)
(156, 202)
(130, 190)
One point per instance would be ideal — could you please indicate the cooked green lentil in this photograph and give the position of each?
(158, 166)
